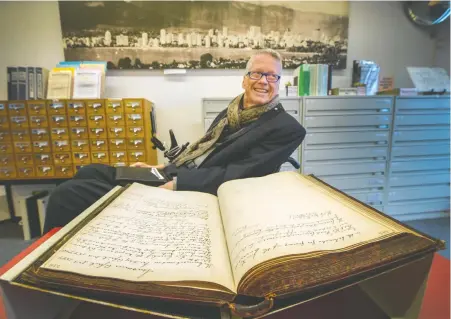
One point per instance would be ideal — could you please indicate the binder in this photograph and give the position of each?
(41, 76)
(31, 86)
(12, 83)
(22, 83)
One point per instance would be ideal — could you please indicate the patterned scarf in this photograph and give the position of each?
(236, 118)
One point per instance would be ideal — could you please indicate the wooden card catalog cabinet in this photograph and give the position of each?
(55, 138)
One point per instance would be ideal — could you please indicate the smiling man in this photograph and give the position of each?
(252, 137)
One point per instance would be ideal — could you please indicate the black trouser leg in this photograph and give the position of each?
(72, 197)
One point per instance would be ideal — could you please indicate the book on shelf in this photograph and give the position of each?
(261, 240)
(313, 79)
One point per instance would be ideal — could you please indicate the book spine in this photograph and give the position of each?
(31, 85)
(22, 83)
(307, 79)
(39, 83)
(301, 82)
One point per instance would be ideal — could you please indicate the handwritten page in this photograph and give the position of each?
(284, 214)
(151, 234)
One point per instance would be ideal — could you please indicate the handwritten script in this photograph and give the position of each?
(139, 235)
(300, 233)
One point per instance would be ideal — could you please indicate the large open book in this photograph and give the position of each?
(261, 239)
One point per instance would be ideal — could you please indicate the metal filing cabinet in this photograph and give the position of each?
(347, 144)
(213, 106)
(419, 165)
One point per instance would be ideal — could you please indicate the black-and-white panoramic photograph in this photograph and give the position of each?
(203, 34)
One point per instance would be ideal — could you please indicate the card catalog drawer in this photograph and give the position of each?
(100, 157)
(369, 168)
(37, 108)
(410, 179)
(421, 150)
(64, 171)
(346, 183)
(136, 156)
(417, 207)
(98, 132)
(119, 164)
(96, 120)
(42, 147)
(77, 120)
(19, 122)
(355, 121)
(61, 146)
(135, 144)
(117, 144)
(351, 138)
(348, 105)
(8, 172)
(23, 160)
(45, 171)
(368, 197)
(17, 109)
(7, 160)
(25, 172)
(99, 145)
(374, 153)
(5, 136)
(21, 135)
(62, 158)
(56, 108)
(43, 159)
(420, 165)
(133, 106)
(417, 193)
(420, 119)
(424, 105)
(118, 156)
(58, 121)
(4, 122)
(135, 131)
(76, 107)
(114, 106)
(59, 133)
(116, 132)
(95, 107)
(23, 147)
(40, 134)
(81, 158)
(79, 133)
(400, 136)
(3, 108)
(37, 121)
(135, 120)
(80, 145)
(6, 148)
(116, 119)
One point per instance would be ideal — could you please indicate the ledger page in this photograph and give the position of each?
(284, 214)
(151, 234)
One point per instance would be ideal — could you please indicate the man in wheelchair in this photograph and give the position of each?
(252, 137)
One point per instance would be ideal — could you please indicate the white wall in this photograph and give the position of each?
(30, 33)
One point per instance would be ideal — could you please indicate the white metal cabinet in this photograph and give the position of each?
(213, 106)
(419, 163)
(347, 144)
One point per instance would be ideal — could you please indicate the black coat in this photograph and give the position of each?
(256, 150)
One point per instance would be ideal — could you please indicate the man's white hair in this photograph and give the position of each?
(276, 55)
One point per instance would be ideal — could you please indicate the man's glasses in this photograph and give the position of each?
(270, 77)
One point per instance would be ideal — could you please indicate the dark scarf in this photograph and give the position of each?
(236, 118)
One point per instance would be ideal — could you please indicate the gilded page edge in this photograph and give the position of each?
(26, 262)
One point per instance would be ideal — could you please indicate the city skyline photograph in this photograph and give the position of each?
(203, 34)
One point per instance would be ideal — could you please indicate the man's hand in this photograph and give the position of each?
(141, 164)
(168, 185)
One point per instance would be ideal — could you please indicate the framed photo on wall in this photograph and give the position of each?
(203, 34)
